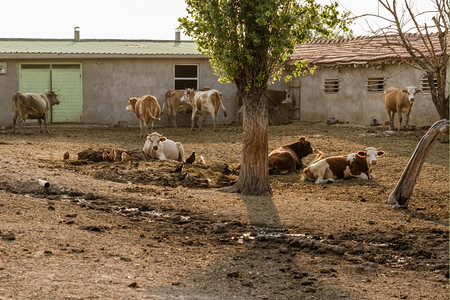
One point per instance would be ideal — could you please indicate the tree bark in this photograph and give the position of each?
(403, 190)
(254, 173)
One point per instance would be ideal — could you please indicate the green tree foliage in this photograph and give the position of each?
(248, 42)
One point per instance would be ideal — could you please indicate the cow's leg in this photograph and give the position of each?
(391, 119)
(45, 122)
(200, 122)
(14, 123)
(214, 121)
(406, 121)
(361, 176)
(141, 125)
(40, 125)
(400, 119)
(193, 119)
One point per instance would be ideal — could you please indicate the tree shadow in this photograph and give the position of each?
(262, 212)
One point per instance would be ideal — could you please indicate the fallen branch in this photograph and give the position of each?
(404, 188)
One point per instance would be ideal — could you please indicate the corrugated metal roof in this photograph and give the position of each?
(358, 50)
(99, 47)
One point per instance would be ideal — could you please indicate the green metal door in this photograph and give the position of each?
(66, 82)
(34, 78)
(64, 79)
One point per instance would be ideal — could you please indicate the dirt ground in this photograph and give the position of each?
(137, 230)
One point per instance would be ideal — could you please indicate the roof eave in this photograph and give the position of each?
(94, 56)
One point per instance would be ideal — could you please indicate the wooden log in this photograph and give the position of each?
(403, 190)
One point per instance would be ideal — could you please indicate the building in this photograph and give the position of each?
(351, 76)
(94, 78)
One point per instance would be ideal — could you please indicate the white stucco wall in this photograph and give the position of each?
(353, 103)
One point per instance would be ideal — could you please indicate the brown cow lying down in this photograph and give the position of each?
(355, 165)
(288, 158)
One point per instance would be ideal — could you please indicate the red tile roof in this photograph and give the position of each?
(358, 50)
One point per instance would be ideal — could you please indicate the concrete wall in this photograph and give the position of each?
(9, 85)
(354, 103)
(107, 84)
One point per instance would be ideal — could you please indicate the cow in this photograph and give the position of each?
(204, 102)
(147, 110)
(288, 158)
(354, 165)
(158, 146)
(399, 101)
(174, 105)
(32, 106)
(274, 100)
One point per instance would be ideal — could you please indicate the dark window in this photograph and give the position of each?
(331, 86)
(375, 84)
(186, 76)
(68, 66)
(35, 66)
(425, 84)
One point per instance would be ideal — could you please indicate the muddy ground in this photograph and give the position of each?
(137, 230)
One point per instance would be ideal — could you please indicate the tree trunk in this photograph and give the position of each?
(404, 188)
(254, 173)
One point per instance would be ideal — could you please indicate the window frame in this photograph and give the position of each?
(331, 85)
(175, 78)
(375, 84)
(425, 86)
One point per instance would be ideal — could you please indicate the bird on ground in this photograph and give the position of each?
(105, 155)
(66, 155)
(191, 158)
(178, 169)
(125, 157)
(112, 155)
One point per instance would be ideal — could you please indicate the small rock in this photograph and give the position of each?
(8, 236)
(133, 285)
(310, 289)
(332, 121)
(234, 274)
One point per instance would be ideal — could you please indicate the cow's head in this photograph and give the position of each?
(52, 98)
(411, 91)
(287, 99)
(306, 148)
(131, 103)
(188, 96)
(154, 139)
(371, 154)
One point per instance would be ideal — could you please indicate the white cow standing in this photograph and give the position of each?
(204, 102)
(158, 146)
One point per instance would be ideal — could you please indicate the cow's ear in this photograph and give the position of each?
(361, 153)
(418, 90)
(162, 139)
(380, 153)
(405, 90)
(302, 138)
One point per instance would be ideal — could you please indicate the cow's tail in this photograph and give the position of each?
(225, 114)
(152, 116)
(167, 95)
(149, 109)
(319, 155)
(180, 152)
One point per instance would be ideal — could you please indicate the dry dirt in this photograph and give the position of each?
(136, 230)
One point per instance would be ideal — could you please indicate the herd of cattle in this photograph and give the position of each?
(285, 159)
